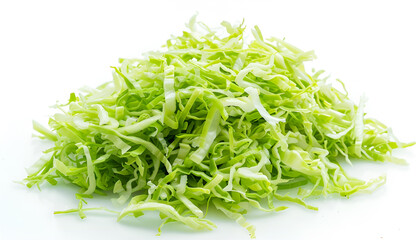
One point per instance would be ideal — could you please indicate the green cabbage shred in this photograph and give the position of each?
(211, 121)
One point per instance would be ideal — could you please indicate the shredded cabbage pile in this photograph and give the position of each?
(211, 121)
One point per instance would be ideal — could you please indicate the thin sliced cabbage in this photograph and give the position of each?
(211, 120)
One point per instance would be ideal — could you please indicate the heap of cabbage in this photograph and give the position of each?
(211, 121)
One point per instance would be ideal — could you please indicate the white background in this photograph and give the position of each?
(51, 48)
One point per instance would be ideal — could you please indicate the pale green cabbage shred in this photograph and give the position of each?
(211, 120)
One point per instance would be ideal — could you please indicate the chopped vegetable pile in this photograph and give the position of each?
(211, 121)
